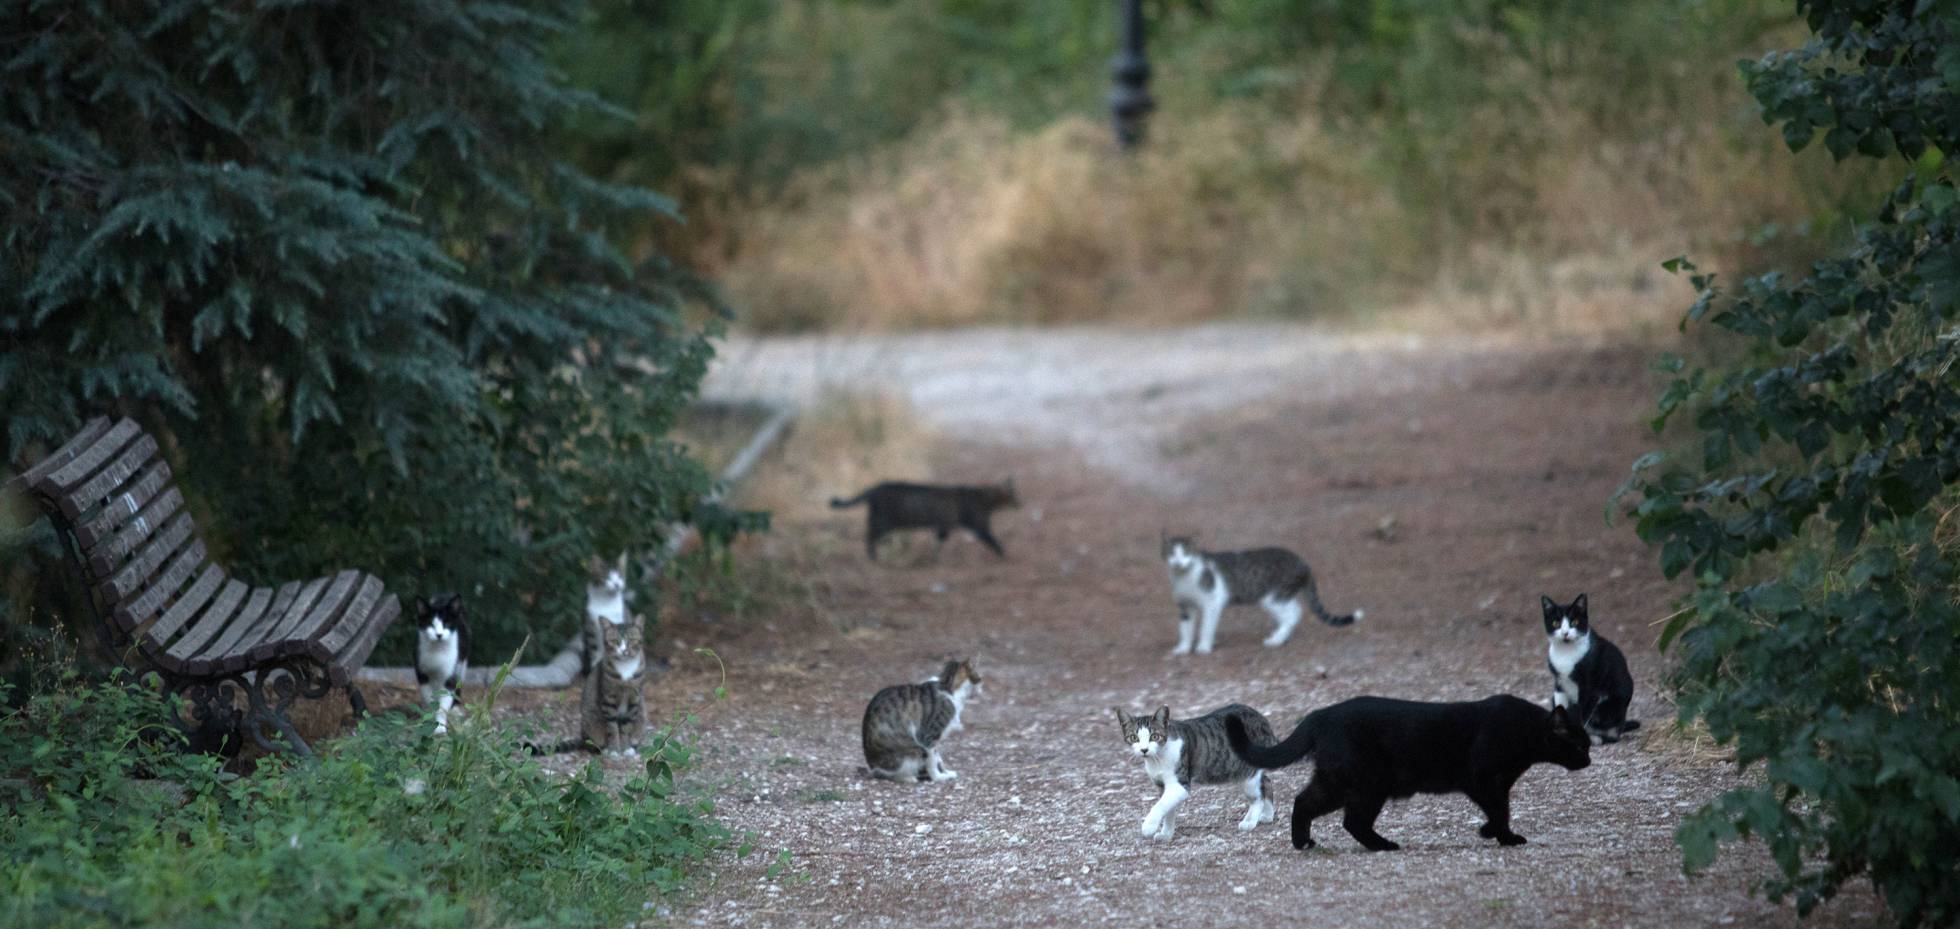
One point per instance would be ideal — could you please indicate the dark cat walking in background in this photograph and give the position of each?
(896, 505)
(1589, 674)
(1370, 750)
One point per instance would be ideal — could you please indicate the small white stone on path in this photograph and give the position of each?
(922, 828)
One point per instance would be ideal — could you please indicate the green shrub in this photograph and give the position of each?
(386, 828)
(334, 260)
(1823, 638)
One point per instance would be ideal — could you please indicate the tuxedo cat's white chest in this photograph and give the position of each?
(1162, 766)
(436, 658)
(1564, 658)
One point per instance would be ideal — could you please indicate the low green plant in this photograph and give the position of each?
(1822, 640)
(388, 827)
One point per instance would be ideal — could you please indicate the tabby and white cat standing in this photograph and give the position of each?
(613, 711)
(1204, 583)
(1589, 674)
(442, 652)
(605, 602)
(904, 723)
(1180, 752)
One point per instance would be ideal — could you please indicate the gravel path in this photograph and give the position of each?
(1441, 487)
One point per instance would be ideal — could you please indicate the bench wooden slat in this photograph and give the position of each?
(213, 654)
(108, 556)
(134, 613)
(238, 657)
(91, 431)
(108, 482)
(335, 639)
(139, 570)
(214, 620)
(105, 522)
(87, 459)
(341, 672)
(291, 637)
(180, 612)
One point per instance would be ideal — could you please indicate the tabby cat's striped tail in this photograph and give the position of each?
(1312, 591)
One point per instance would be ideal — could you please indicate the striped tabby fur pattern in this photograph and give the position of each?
(904, 723)
(1178, 753)
(1205, 583)
(613, 711)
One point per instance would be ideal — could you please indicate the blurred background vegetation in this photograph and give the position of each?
(901, 163)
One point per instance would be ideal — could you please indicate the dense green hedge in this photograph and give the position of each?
(104, 822)
(1820, 518)
(332, 256)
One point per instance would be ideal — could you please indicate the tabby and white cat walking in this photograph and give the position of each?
(1180, 752)
(904, 723)
(1204, 583)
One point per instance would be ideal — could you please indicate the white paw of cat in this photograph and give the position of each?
(442, 728)
(1277, 639)
(1204, 649)
(1181, 650)
(945, 775)
(1266, 811)
(1150, 827)
(632, 753)
(1165, 831)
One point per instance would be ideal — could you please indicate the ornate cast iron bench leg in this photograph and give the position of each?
(285, 682)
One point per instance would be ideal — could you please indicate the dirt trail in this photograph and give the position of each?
(1489, 463)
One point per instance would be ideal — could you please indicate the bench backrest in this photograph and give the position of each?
(140, 553)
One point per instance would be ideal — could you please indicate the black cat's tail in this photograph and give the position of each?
(1296, 746)
(1312, 590)
(1630, 725)
(837, 503)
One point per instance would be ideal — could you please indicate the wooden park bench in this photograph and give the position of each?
(165, 607)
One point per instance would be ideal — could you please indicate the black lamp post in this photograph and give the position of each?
(1129, 100)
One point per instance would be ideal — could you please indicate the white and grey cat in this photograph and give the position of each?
(1205, 583)
(442, 652)
(605, 602)
(1180, 752)
(904, 724)
(613, 711)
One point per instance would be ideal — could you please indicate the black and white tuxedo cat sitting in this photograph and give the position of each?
(1589, 674)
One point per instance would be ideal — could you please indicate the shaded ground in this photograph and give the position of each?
(1443, 488)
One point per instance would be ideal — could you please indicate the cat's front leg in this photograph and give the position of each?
(937, 768)
(1158, 824)
(1261, 810)
(1187, 629)
(444, 702)
(1208, 624)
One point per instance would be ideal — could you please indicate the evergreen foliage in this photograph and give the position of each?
(1819, 519)
(328, 250)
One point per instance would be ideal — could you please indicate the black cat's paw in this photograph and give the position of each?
(1510, 838)
(1302, 842)
(1487, 830)
(1384, 846)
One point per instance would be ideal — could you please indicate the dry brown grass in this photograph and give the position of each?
(1233, 212)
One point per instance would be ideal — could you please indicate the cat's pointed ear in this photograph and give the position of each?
(1163, 717)
(621, 563)
(1579, 605)
(1122, 719)
(1561, 720)
(421, 605)
(1547, 604)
